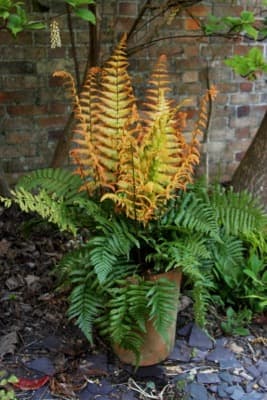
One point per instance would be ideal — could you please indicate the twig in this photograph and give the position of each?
(134, 386)
(73, 46)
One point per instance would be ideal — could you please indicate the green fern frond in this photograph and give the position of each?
(181, 251)
(238, 212)
(202, 283)
(60, 183)
(228, 253)
(196, 213)
(84, 307)
(162, 298)
(48, 206)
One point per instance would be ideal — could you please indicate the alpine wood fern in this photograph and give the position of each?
(138, 163)
(126, 198)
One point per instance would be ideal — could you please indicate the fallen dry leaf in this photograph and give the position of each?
(31, 384)
(8, 343)
(63, 385)
(31, 279)
(4, 246)
(235, 348)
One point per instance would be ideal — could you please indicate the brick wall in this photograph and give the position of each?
(34, 108)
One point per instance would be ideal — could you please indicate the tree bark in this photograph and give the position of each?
(251, 174)
(4, 187)
(62, 148)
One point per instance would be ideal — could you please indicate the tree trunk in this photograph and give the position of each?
(62, 149)
(4, 187)
(251, 173)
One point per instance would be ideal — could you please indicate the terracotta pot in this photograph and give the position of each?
(155, 349)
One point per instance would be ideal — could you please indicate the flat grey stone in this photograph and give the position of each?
(254, 396)
(208, 378)
(230, 363)
(213, 388)
(42, 393)
(152, 371)
(181, 352)
(185, 330)
(51, 343)
(222, 341)
(184, 376)
(263, 381)
(226, 377)
(237, 394)
(199, 339)
(103, 397)
(237, 379)
(220, 354)
(222, 390)
(99, 361)
(249, 387)
(210, 397)
(43, 365)
(199, 355)
(197, 391)
(128, 396)
(253, 371)
(262, 366)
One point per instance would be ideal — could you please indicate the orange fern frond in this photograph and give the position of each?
(137, 163)
(69, 84)
(116, 101)
(159, 83)
(84, 153)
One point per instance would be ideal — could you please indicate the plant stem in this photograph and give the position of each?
(73, 47)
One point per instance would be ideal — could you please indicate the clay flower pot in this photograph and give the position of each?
(155, 349)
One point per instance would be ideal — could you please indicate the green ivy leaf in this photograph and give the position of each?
(78, 3)
(85, 14)
(4, 14)
(251, 31)
(15, 24)
(247, 17)
(35, 25)
(249, 64)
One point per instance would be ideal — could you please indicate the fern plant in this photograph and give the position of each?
(126, 198)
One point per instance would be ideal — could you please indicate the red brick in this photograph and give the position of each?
(123, 24)
(59, 52)
(243, 111)
(191, 51)
(129, 9)
(246, 86)
(200, 10)
(54, 134)
(18, 137)
(45, 122)
(58, 108)
(21, 122)
(55, 81)
(240, 50)
(26, 110)
(191, 24)
(17, 97)
(12, 151)
(22, 39)
(242, 133)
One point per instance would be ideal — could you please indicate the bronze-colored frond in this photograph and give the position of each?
(139, 164)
